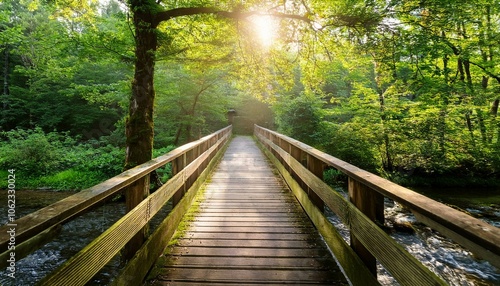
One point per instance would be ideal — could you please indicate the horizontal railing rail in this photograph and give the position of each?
(37, 228)
(364, 212)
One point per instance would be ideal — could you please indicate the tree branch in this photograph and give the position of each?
(238, 15)
(485, 70)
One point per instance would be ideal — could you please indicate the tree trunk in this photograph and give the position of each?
(468, 75)
(139, 125)
(470, 127)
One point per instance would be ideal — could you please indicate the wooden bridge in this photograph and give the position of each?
(248, 212)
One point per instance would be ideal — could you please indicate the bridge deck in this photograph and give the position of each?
(249, 230)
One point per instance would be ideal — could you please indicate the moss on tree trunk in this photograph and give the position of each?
(139, 125)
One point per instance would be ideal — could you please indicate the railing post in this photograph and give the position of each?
(136, 193)
(316, 167)
(371, 203)
(296, 153)
(177, 165)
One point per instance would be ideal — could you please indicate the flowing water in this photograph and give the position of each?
(75, 235)
(450, 261)
(456, 265)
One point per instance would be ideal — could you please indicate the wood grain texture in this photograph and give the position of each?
(478, 236)
(403, 266)
(137, 268)
(80, 268)
(72, 206)
(249, 229)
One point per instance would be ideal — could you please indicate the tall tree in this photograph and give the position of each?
(147, 15)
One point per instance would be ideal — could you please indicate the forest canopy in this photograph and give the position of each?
(406, 89)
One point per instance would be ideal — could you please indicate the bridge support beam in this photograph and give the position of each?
(371, 203)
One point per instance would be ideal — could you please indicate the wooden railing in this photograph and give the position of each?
(302, 167)
(191, 164)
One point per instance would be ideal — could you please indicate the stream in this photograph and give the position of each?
(455, 264)
(75, 235)
(444, 257)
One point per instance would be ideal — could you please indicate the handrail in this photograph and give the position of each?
(79, 269)
(33, 226)
(302, 160)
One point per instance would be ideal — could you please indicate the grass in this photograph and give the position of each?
(67, 180)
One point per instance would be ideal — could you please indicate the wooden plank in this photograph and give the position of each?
(249, 252)
(207, 218)
(248, 243)
(137, 268)
(251, 229)
(390, 254)
(191, 283)
(479, 237)
(234, 204)
(249, 235)
(250, 214)
(372, 205)
(63, 210)
(253, 262)
(257, 237)
(79, 269)
(245, 210)
(288, 224)
(249, 275)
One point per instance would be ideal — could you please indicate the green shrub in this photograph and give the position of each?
(106, 160)
(70, 180)
(32, 151)
(354, 144)
(164, 173)
(334, 177)
(55, 160)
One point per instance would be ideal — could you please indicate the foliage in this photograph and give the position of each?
(165, 172)
(57, 161)
(189, 102)
(402, 88)
(299, 118)
(58, 78)
(32, 151)
(409, 88)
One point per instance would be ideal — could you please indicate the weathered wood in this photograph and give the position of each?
(256, 276)
(354, 268)
(255, 243)
(79, 269)
(479, 237)
(316, 167)
(249, 236)
(134, 194)
(402, 265)
(178, 165)
(136, 270)
(371, 204)
(63, 210)
(254, 262)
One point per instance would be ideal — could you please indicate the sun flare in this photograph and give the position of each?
(265, 28)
